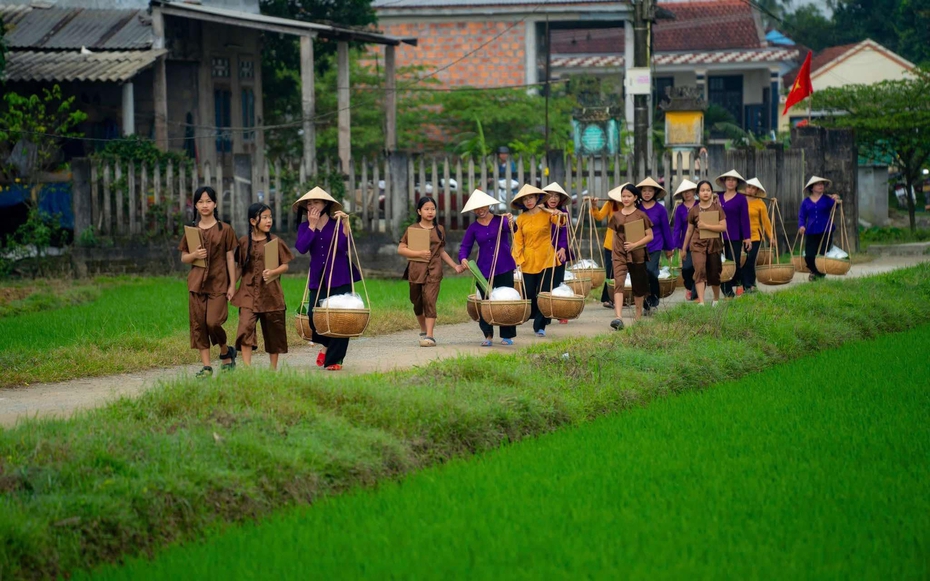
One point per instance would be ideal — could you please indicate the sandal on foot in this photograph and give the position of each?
(487, 343)
(616, 324)
(320, 358)
(541, 333)
(506, 341)
(204, 373)
(334, 367)
(427, 341)
(607, 305)
(231, 355)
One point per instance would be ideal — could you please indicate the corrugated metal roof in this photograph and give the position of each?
(111, 66)
(380, 4)
(72, 28)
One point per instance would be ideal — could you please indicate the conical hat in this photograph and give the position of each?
(684, 186)
(526, 190)
(614, 194)
(478, 199)
(740, 186)
(317, 193)
(814, 180)
(660, 191)
(760, 193)
(555, 188)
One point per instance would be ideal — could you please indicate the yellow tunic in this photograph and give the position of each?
(532, 243)
(606, 211)
(759, 219)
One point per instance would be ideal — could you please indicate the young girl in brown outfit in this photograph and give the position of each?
(705, 252)
(628, 256)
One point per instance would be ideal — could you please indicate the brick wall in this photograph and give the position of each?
(500, 63)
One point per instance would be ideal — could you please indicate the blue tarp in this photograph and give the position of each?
(53, 199)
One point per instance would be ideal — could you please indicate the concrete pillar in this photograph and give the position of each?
(308, 102)
(627, 64)
(160, 84)
(530, 49)
(400, 195)
(390, 99)
(342, 100)
(775, 92)
(129, 110)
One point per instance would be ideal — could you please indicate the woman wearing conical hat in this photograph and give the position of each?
(557, 199)
(606, 211)
(650, 194)
(759, 225)
(684, 200)
(318, 211)
(490, 233)
(737, 236)
(813, 218)
(533, 250)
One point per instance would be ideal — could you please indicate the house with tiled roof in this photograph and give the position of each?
(719, 46)
(859, 63)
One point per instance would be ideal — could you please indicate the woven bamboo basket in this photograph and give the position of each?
(728, 271)
(505, 313)
(667, 287)
(340, 323)
(597, 275)
(518, 285)
(799, 264)
(764, 257)
(628, 296)
(302, 322)
(556, 307)
(835, 266)
(775, 274)
(579, 286)
(473, 306)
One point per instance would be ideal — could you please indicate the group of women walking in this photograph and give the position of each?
(705, 226)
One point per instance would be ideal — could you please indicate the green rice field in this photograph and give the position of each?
(814, 469)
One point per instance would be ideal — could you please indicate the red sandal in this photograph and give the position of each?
(334, 367)
(320, 358)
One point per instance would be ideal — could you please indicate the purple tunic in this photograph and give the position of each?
(486, 237)
(681, 224)
(736, 213)
(661, 233)
(562, 242)
(317, 243)
(815, 216)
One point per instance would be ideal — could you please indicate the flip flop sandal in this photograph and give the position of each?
(334, 367)
(486, 343)
(320, 358)
(231, 355)
(427, 342)
(506, 341)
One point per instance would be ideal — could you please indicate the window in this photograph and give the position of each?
(659, 96)
(246, 69)
(222, 106)
(727, 92)
(248, 113)
(220, 67)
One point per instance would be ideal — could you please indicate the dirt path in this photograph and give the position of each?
(367, 354)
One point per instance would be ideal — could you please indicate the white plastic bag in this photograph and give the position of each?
(562, 291)
(629, 281)
(346, 301)
(837, 252)
(584, 264)
(569, 275)
(505, 293)
(517, 275)
(665, 273)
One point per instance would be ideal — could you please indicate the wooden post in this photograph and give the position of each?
(390, 100)
(107, 204)
(133, 200)
(144, 197)
(280, 227)
(446, 195)
(366, 196)
(308, 102)
(95, 219)
(342, 102)
(120, 215)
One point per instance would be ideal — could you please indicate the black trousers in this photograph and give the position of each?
(502, 279)
(813, 245)
(652, 273)
(733, 250)
(534, 284)
(687, 271)
(749, 271)
(335, 348)
(609, 272)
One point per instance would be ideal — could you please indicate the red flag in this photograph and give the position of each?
(802, 85)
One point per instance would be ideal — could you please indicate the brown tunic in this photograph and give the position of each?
(214, 279)
(424, 272)
(706, 245)
(254, 293)
(615, 224)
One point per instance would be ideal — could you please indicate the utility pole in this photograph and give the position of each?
(643, 16)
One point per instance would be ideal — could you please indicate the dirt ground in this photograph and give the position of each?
(367, 354)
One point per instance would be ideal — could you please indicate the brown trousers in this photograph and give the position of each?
(208, 312)
(274, 330)
(639, 278)
(424, 298)
(707, 267)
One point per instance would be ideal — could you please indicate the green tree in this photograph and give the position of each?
(891, 117)
(2, 48)
(808, 26)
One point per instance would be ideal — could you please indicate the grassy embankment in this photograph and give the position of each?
(184, 458)
(815, 468)
(59, 331)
